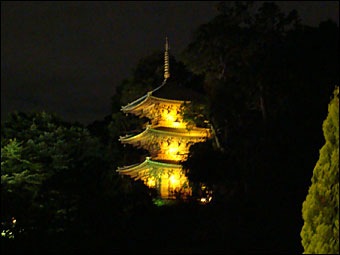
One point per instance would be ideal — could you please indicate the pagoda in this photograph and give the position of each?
(167, 137)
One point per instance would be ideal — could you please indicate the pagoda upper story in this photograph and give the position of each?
(167, 137)
(162, 112)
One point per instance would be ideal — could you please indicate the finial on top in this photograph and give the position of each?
(166, 44)
(166, 60)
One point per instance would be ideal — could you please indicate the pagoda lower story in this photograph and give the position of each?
(168, 179)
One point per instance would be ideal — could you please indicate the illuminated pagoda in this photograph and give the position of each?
(167, 137)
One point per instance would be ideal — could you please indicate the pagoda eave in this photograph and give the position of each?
(146, 101)
(197, 133)
(134, 170)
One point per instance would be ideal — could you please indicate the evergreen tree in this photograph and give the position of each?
(58, 184)
(320, 210)
(45, 162)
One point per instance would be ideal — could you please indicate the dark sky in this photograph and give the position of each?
(68, 57)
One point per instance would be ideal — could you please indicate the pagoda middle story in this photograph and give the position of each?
(167, 137)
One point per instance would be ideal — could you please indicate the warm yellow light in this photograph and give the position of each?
(205, 200)
(173, 150)
(170, 118)
(151, 182)
(174, 181)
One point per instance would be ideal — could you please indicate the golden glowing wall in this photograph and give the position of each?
(169, 140)
(167, 115)
(170, 184)
(173, 150)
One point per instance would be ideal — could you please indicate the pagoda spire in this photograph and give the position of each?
(166, 60)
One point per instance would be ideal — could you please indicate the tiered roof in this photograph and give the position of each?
(195, 134)
(139, 170)
(144, 103)
(167, 138)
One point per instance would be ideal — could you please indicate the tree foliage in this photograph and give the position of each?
(238, 52)
(320, 210)
(58, 180)
(45, 165)
(267, 82)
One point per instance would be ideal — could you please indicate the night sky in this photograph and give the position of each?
(68, 57)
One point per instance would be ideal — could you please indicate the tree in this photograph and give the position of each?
(320, 210)
(237, 52)
(266, 80)
(19, 180)
(45, 163)
(58, 184)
